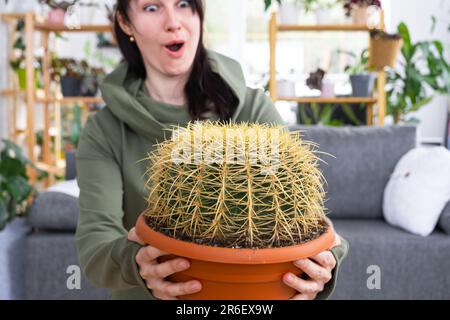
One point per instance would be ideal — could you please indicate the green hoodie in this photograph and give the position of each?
(112, 179)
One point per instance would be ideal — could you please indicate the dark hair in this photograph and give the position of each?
(205, 90)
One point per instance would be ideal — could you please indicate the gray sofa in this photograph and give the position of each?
(384, 262)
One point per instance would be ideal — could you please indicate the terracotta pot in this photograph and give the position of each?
(235, 274)
(383, 52)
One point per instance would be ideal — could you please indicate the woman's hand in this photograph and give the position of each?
(318, 269)
(154, 272)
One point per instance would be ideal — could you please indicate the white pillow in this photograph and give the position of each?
(418, 190)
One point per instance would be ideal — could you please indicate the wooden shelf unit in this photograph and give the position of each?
(380, 99)
(51, 165)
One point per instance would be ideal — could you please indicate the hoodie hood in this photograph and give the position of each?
(126, 97)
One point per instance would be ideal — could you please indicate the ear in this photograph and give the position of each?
(124, 24)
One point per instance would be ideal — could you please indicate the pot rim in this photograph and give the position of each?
(234, 255)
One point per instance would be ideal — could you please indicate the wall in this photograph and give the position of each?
(417, 15)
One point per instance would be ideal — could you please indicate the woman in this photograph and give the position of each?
(168, 77)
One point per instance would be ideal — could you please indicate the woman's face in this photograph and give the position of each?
(167, 33)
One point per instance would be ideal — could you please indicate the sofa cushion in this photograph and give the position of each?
(56, 208)
(418, 190)
(362, 160)
(408, 266)
(51, 263)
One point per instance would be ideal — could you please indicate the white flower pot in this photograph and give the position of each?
(327, 89)
(285, 88)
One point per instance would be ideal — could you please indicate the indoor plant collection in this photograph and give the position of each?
(422, 72)
(241, 213)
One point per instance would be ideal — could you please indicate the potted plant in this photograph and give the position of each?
(18, 62)
(359, 9)
(362, 81)
(422, 72)
(384, 49)
(241, 215)
(58, 10)
(70, 73)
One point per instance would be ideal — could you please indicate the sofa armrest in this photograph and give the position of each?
(444, 220)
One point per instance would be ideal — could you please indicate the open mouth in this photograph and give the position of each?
(175, 46)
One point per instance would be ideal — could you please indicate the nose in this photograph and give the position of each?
(172, 21)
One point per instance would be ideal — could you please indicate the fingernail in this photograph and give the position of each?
(301, 261)
(289, 278)
(183, 264)
(194, 286)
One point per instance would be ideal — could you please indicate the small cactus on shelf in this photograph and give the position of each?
(236, 185)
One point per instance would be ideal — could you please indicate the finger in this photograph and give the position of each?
(167, 268)
(132, 236)
(149, 253)
(314, 270)
(325, 259)
(304, 296)
(171, 289)
(161, 296)
(302, 286)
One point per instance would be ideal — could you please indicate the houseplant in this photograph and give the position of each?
(361, 79)
(71, 73)
(15, 190)
(242, 213)
(422, 72)
(358, 9)
(17, 63)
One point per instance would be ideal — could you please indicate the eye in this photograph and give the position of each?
(184, 4)
(151, 8)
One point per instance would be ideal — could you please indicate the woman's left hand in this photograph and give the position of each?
(318, 269)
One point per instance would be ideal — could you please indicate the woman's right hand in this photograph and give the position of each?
(154, 272)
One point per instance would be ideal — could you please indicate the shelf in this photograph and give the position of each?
(67, 100)
(60, 171)
(11, 92)
(83, 28)
(342, 27)
(368, 100)
(12, 16)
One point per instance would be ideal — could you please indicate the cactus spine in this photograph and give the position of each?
(236, 185)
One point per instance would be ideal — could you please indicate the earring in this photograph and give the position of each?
(131, 39)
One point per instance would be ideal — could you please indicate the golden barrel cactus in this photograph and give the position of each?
(236, 185)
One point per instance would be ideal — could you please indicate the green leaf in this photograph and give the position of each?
(10, 167)
(326, 114)
(19, 188)
(420, 104)
(350, 114)
(433, 23)
(404, 33)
